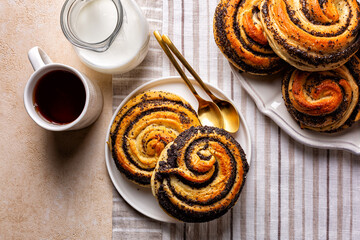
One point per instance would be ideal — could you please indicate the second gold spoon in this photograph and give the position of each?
(209, 114)
(229, 112)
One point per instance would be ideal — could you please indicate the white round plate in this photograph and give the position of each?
(266, 93)
(141, 198)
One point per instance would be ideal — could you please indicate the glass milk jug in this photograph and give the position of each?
(109, 36)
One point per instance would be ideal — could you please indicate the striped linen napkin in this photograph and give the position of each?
(291, 192)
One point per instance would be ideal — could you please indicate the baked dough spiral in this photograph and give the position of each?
(200, 175)
(239, 35)
(312, 35)
(142, 129)
(325, 101)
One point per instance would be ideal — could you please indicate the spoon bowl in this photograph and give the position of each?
(209, 114)
(229, 113)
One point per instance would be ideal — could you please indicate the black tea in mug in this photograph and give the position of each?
(59, 96)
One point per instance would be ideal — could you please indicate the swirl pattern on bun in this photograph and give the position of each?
(239, 35)
(312, 35)
(142, 129)
(325, 101)
(200, 175)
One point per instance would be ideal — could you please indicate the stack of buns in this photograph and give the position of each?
(316, 42)
(195, 172)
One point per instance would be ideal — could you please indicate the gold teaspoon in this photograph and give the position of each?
(229, 112)
(209, 114)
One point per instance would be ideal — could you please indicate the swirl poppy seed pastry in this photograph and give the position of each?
(200, 175)
(240, 37)
(325, 101)
(143, 127)
(312, 35)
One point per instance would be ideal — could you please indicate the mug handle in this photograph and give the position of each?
(38, 58)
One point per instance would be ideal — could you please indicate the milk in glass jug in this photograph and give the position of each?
(109, 36)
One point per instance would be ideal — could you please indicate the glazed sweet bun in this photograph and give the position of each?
(325, 101)
(143, 127)
(312, 35)
(200, 175)
(240, 37)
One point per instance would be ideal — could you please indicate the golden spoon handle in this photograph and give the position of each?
(176, 65)
(186, 64)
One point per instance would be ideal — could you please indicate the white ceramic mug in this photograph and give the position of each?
(42, 65)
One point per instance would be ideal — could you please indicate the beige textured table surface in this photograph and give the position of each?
(53, 185)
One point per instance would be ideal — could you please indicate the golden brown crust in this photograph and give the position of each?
(143, 127)
(312, 35)
(200, 175)
(325, 101)
(239, 35)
